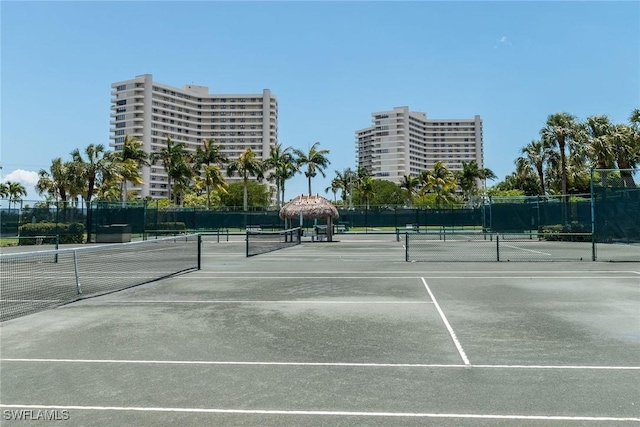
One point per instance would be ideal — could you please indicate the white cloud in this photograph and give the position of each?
(27, 178)
(504, 41)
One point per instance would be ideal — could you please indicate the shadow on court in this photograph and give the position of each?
(342, 333)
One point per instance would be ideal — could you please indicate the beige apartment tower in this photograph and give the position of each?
(402, 142)
(151, 111)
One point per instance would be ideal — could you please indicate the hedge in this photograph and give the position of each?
(562, 233)
(172, 226)
(68, 232)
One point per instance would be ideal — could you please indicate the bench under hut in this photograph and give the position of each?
(311, 207)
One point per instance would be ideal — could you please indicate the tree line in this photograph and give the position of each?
(559, 162)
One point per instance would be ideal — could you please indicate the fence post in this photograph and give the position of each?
(199, 251)
(497, 247)
(593, 220)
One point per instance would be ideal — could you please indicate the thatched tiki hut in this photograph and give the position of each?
(311, 207)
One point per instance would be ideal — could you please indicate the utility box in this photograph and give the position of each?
(114, 233)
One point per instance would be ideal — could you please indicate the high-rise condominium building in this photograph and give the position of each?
(152, 111)
(403, 142)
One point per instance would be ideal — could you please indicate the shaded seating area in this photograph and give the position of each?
(312, 207)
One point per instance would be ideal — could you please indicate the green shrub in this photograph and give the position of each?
(562, 233)
(68, 232)
(172, 226)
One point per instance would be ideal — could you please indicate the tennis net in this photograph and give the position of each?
(472, 246)
(260, 242)
(36, 281)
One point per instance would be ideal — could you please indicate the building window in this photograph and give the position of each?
(121, 87)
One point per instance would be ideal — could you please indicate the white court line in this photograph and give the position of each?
(323, 364)
(262, 302)
(435, 272)
(31, 300)
(323, 413)
(266, 276)
(298, 277)
(523, 249)
(446, 323)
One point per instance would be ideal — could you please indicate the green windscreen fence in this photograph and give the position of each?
(616, 199)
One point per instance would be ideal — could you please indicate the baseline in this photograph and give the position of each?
(326, 413)
(320, 364)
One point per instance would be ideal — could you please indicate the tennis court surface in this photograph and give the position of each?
(344, 333)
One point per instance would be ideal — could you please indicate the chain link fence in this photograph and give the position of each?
(610, 214)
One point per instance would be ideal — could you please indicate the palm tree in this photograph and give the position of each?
(346, 180)
(281, 163)
(441, 180)
(536, 155)
(14, 190)
(4, 191)
(288, 170)
(626, 151)
(247, 164)
(315, 161)
(175, 161)
(206, 161)
(469, 176)
(334, 187)
(129, 160)
(560, 130)
(56, 182)
(90, 172)
(365, 188)
(410, 183)
(92, 169)
(213, 179)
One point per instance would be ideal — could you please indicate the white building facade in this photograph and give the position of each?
(402, 142)
(152, 111)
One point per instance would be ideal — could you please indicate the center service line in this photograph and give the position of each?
(446, 323)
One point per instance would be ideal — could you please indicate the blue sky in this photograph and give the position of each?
(330, 64)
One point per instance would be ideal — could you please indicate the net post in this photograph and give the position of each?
(199, 251)
(246, 239)
(75, 268)
(497, 247)
(57, 247)
(406, 247)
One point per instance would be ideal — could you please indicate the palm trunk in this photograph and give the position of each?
(563, 165)
(208, 197)
(282, 193)
(309, 185)
(244, 195)
(541, 177)
(124, 193)
(626, 175)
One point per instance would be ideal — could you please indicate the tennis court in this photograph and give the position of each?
(340, 333)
